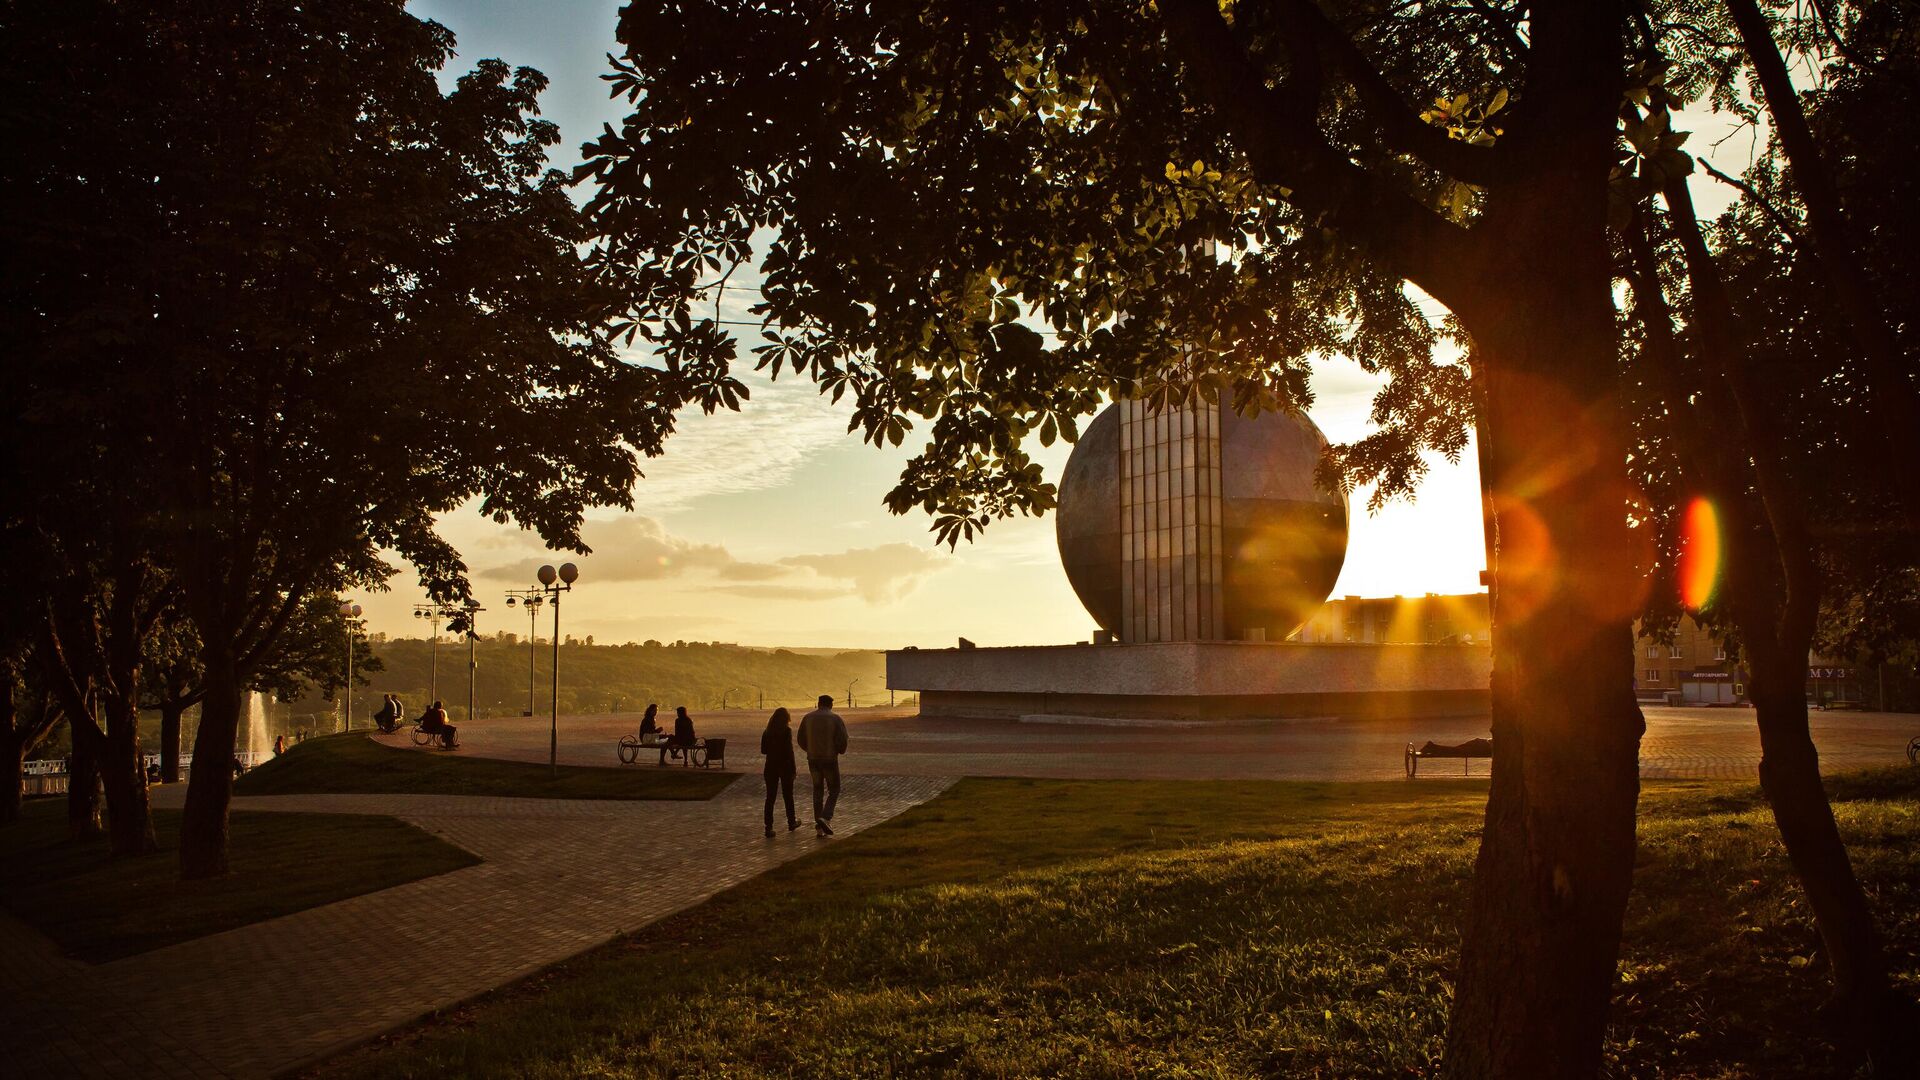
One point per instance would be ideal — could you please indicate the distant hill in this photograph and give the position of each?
(605, 678)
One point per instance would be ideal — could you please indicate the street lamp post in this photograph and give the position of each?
(351, 611)
(553, 583)
(532, 598)
(725, 694)
(434, 613)
(850, 693)
(471, 614)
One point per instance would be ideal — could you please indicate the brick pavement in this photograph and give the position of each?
(559, 877)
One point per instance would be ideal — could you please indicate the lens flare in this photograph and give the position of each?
(1700, 554)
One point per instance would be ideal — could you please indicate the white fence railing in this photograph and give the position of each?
(49, 775)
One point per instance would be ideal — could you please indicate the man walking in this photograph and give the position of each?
(823, 735)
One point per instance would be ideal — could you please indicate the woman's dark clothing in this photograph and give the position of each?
(648, 726)
(776, 743)
(783, 783)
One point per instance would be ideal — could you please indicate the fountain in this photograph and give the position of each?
(258, 743)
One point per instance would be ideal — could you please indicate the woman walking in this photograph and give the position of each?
(776, 744)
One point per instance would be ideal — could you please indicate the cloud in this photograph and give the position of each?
(782, 426)
(629, 549)
(879, 574)
(783, 592)
(635, 548)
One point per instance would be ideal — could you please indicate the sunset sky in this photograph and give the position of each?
(766, 527)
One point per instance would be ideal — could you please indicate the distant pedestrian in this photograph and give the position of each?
(279, 745)
(823, 735)
(650, 727)
(776, 743)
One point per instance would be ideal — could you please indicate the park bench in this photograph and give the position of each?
(1466, 751)
(703, 754)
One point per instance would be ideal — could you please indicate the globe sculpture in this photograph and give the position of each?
(1283, 539)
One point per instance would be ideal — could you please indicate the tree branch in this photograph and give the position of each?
(1772, 212)
(1405, 132)
(1414, 241)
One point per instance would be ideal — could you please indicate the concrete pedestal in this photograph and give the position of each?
(1197, 680)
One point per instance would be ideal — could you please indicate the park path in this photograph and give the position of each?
(559, 877)
(1680, 744)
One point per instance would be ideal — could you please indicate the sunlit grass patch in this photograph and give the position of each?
(1038, 928)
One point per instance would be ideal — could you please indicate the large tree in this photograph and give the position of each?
(1760, 393)
(924, 183)
(259, 254)
(310, 656)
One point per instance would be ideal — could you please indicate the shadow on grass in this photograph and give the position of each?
(351, 763)
(98, 908)
(1038, 928)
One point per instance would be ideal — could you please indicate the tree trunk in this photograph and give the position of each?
(203, 826)
(1870, 1016)
(13, 751)
(170, 713)
(1555, 866)
(123, 776)
(12, 776)
(1556, 858)
(1773, 585)
(83, 786)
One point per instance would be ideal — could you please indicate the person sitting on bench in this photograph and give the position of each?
(683, 739)
(435, 723)
(649, 727)
(1470, 749)
(388, 718)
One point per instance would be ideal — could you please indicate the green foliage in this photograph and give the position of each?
(1156, 928)
(299, 302)
(99, 909)
(977, 221)
(354, 763)
(1790, 332)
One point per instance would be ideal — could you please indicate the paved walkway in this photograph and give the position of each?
(1699, 743)
(559, 877)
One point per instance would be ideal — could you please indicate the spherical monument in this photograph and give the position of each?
(1283, 540)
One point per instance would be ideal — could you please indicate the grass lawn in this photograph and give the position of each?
(98, 908)
(1042, 928)
(355, 763)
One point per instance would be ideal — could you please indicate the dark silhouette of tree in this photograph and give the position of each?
(1757, 398)
(304, 302)
(1191, 201)
(28, 714)
(310, 656)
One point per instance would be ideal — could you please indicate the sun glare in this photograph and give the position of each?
(1699, 554)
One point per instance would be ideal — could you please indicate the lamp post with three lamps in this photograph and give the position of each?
(532, 598)
(349, 611)
(469, 616)
(434, 613)
(553, 583)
